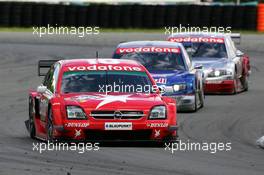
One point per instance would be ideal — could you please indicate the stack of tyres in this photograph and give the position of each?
(159, 16)
(92, 15)
(238, 17)
(26, 15)
(183, 15)
(137, 17)
(16, 14)
(125, 16)
(227, 15)
(216, 16)
(205, 15)
(48, 14)
(250, 22)
(194, 15)
(37, 14)
(59, 15)
(81, 16)
(114, 17)
(148, 16)
(260, 18)
(70, 18)
(104, 16)
(5, 13)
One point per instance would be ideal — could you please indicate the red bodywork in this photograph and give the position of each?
(94, 128)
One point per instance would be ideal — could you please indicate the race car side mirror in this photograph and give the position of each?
(41, 89)
(239, 53)
(198, 67)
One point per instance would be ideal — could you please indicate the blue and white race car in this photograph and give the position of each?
(170, 66)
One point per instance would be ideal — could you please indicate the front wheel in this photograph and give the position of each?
(245, 82)
(32, 129)
(50, 127)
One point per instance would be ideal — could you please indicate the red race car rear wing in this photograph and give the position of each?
(44, 66)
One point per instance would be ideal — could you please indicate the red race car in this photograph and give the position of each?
(99, 99)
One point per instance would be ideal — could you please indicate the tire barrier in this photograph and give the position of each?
(59, 15)
(24, 14)
(250, 16)
(38, 15)
(126, 16)
(159, 16)
(216, 16)
(137, 17)
(5, 14)
(260, 18)
(114, 16)
(194, 15)
(238, 17)
(16, 15)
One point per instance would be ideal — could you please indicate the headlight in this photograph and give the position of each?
(219, 72)
(158, 112)
(75, 112)
(178, 87)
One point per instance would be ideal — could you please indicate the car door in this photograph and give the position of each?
(235, 58)
(45, 97)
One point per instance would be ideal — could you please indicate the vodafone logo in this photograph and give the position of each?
(147, 49)
(196, 39)
(104, 67)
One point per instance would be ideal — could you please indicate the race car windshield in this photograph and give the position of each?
(106, 81)
(156, 61)
(206, 50)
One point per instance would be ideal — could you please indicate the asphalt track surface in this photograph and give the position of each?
(237, 119)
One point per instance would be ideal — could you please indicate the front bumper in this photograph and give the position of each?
(219, 86)
(127, 130)
(184, 102)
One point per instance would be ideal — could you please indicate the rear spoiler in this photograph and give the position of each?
(44, 66)
(236, 38)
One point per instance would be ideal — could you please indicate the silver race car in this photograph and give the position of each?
(226, 68)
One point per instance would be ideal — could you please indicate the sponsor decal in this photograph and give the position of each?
(147, 49)
(104, 67)
(197, 39)
(157, 133)
(104, 98)
(161, 80)
(118, 126)
(158, 125)
(213, 81)
(77, 133)
(77, 125)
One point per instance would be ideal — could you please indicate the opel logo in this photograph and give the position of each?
(117, 115)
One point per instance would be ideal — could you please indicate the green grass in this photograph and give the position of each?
(118, 30)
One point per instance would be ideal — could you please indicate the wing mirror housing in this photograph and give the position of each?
(239, 53)
(198, 66)
(41, 89)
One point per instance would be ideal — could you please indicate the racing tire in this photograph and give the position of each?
(201, 98)
(195, 105)
(235, 84)
(49, 127)
(244, 81)
(32, 128)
